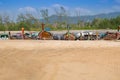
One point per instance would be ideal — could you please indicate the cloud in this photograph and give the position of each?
(116, 8)
(82, 11)
(30, 10)
(70, 10)
(52, 8)
(27, 9)
(59, 5)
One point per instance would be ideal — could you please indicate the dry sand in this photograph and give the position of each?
(59, 60)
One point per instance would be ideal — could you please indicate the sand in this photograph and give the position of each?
(59, 60)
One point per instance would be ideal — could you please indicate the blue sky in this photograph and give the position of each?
(86, 7)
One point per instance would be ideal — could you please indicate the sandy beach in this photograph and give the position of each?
(59, 60)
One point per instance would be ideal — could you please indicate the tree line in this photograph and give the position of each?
(30, 22)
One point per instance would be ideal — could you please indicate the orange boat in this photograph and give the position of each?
(44, 35)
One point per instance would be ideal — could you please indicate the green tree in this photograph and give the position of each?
(96, 22)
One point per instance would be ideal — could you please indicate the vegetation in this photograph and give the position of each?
(29, 22)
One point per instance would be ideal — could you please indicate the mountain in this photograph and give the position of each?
(87, 18)
(102, 16)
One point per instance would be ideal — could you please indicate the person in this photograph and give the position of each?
(118, 28)
(97, 35)
(22, 32)
(9, 35)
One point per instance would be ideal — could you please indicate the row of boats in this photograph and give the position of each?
(44, 35)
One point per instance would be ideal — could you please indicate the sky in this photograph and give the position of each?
(86, 7)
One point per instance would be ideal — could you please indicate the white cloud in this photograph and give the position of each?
(70, 11)
(30, 10)
(50, 10)
(27, 9)
(82, 11)
(59, 5)
(54, 7)
(116, 8)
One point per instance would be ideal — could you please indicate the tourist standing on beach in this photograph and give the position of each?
(9, 35)
(23, 33)
(118, 28)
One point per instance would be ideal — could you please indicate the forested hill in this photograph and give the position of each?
(87, 18)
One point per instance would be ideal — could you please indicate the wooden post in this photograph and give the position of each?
(43, 26)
